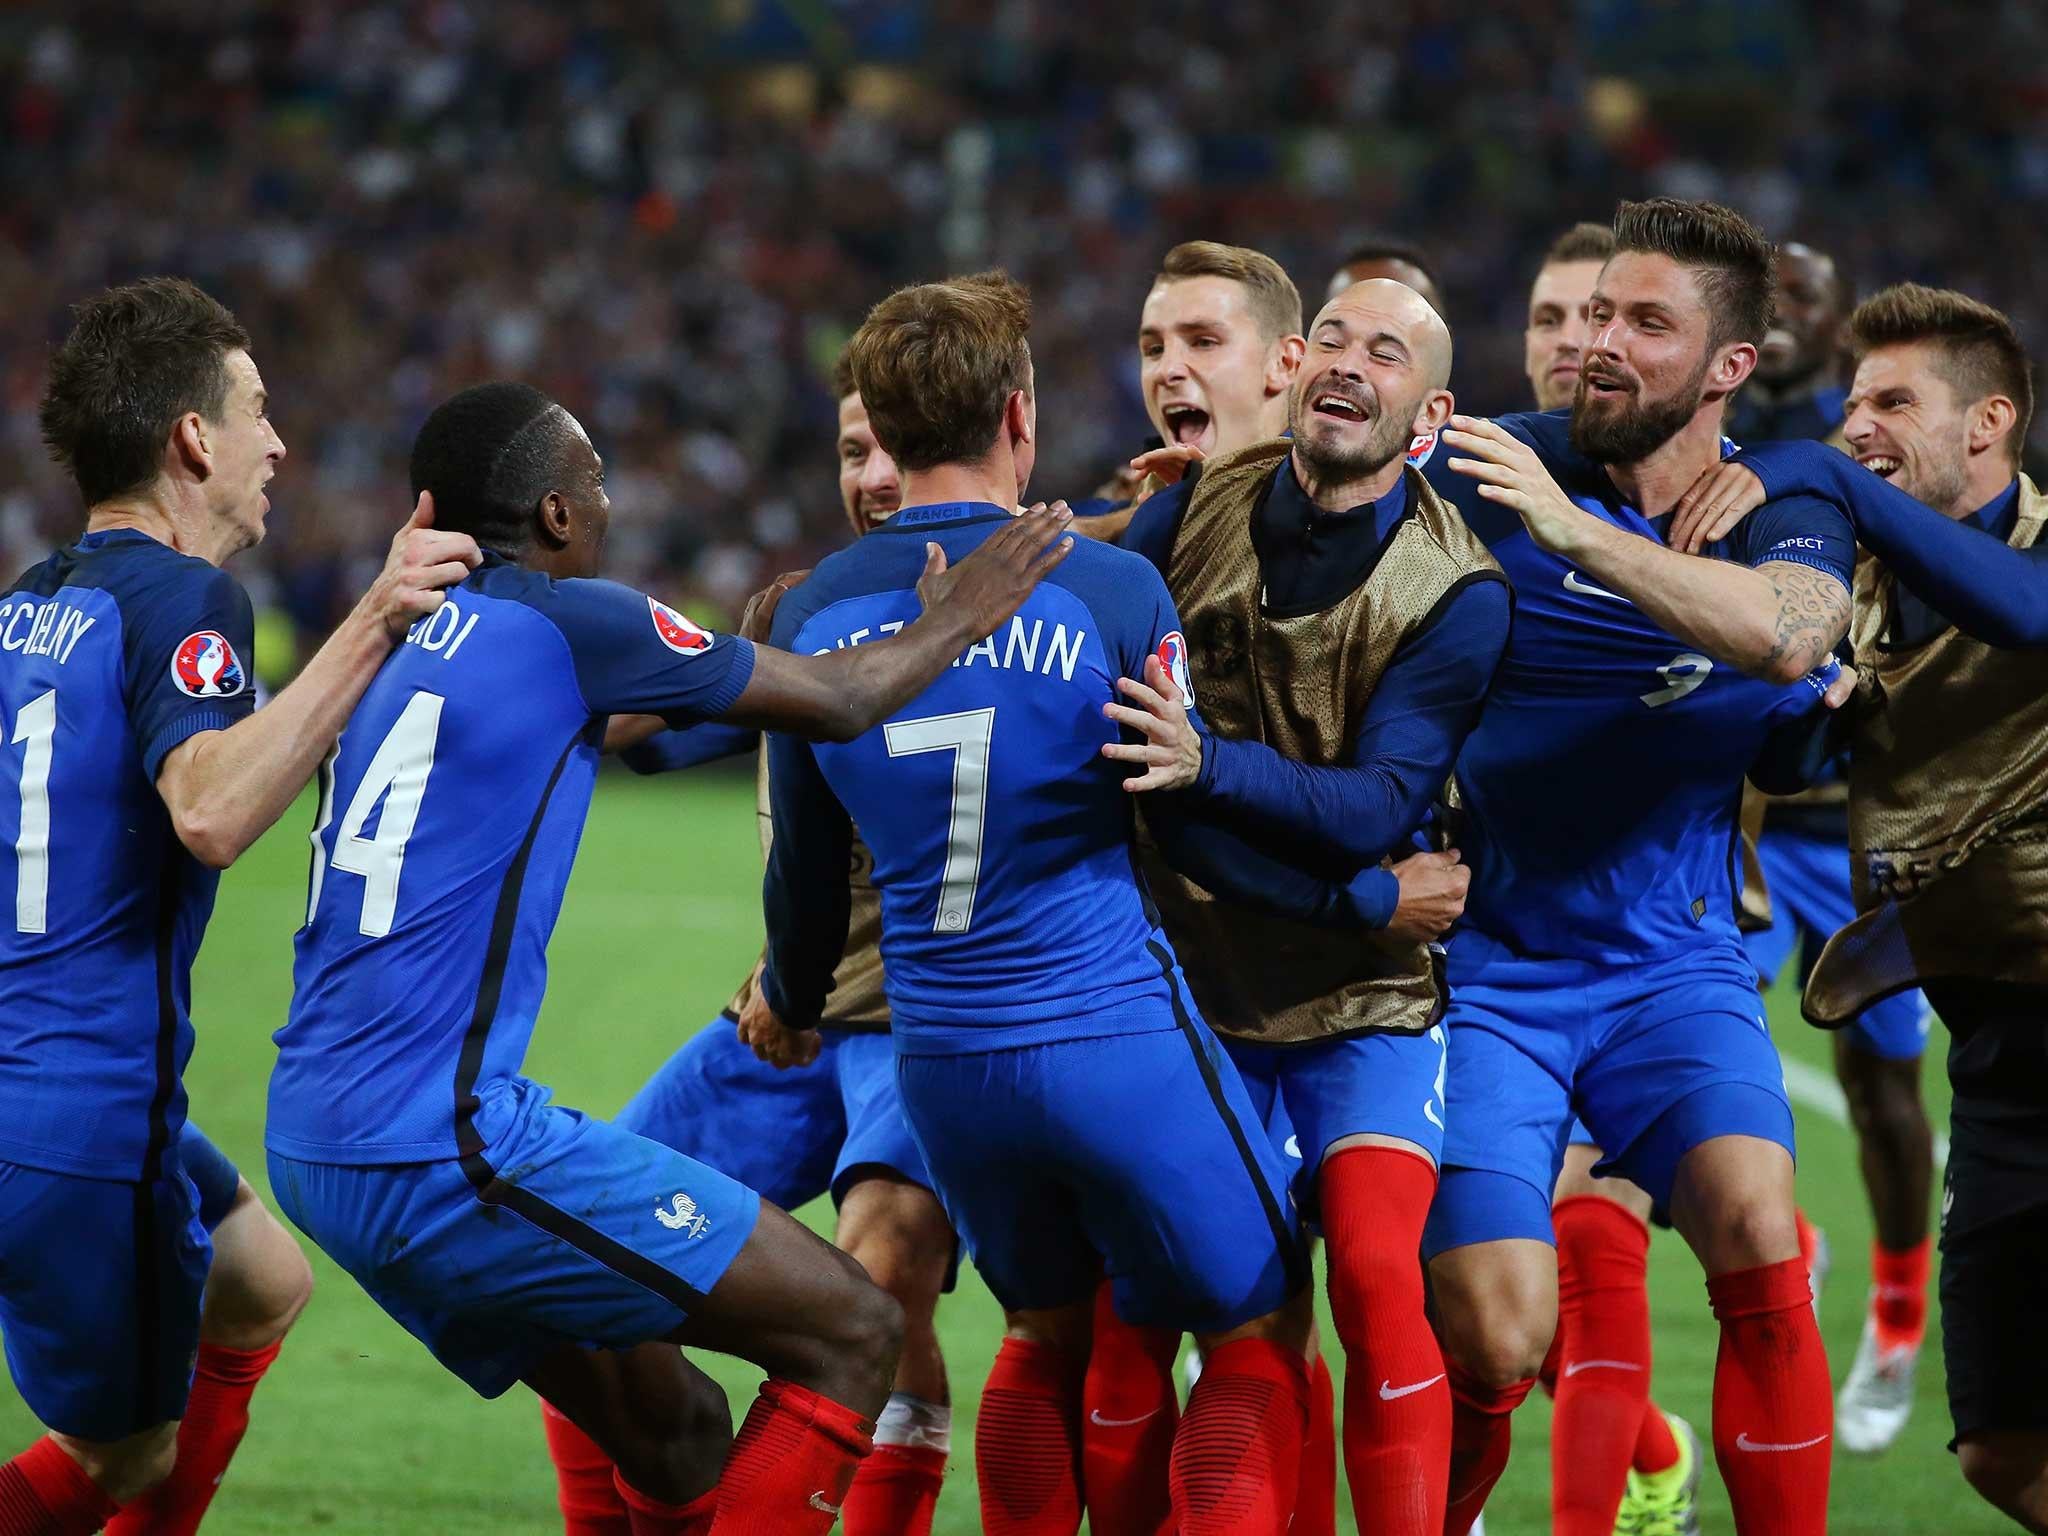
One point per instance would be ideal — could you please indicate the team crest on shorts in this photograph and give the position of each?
(205, 666)
(677, 632)
(682, 1215)
(1173, 655)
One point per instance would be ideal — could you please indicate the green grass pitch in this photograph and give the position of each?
(357, 1432)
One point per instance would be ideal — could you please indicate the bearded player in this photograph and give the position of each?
(1615, 1456)
(1599, 970)
(1321, 556)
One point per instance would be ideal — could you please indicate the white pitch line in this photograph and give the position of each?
(1818, 1091)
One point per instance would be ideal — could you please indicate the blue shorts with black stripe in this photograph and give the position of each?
(1137, 1154)
(565, 1230)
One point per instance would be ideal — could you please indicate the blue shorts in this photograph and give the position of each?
(211, 1172)
(1137, 1154)
(1654, 1058)
(100, 1288)
(1361, 1085)
(1808, 878)
(587, 1235)
(792, 1135)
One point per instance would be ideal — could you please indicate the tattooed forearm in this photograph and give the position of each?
(1813, 615)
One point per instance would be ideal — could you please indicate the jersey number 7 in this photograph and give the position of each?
(966, 736)
(397, 775)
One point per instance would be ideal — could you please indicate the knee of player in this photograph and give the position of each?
(1506, 1352)
(127, 1470)
(907, 1252)
(875, 1325)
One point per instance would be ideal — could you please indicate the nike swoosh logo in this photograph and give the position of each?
(1573, 583)
(1744, 1443)
(1388, 1391)
(1573, 1367)
(818, 1503)
(1095, 1417)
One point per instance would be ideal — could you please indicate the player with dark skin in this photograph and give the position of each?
(1795, 388)
(1393, 259)
(790, 1303)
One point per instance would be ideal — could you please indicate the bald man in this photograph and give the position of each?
(1340, 614)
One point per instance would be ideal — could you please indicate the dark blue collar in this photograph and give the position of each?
(951, 513)
(1998, 516)
(1291, 502)
(100, 538)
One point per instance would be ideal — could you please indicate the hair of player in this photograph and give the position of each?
(935, 364)
(1584, 241)
(1734, 265)
(1979, 349)
(138, 358)
(1270, 294)
(842, 376)
(489, 455)
(1388, 248)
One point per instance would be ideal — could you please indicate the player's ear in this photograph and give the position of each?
(1020, 416)
(1283, 362)
(1732, 364)
(553, 522)
(1990, 419)
(1434, 411)
(191, 446)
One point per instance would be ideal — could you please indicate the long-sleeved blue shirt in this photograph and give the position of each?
(1986, 588)
(1424, 705)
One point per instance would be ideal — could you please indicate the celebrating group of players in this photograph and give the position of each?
(1338, 836)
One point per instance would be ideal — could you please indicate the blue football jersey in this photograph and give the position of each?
(112, 652)
(1603, 782)
(448, 820)
(1012, 912)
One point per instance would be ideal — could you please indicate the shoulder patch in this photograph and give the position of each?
(205, 666)
(677, 632)
(1422, 448)
(1173, 655)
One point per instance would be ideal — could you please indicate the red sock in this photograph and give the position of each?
(216, 1418)
(1773, 1410)
(1397, 1406)
(1480, 1434)
(895, 1492)
(1656, 1447)
(1315, 1496)
(43, 1492)
(1898, 1294)
(591, 1506)
(651, 1517)
(1129, 1414)
(1603, 1385)
(1027, 1442)
(790, 1465)
(1237, 1459)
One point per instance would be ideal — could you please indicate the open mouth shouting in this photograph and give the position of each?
(1883, 465)
(1187, 424)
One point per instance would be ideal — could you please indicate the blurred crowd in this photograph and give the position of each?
(670, 213)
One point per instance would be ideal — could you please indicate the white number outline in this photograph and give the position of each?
(397, 776)
(967, 735)
(1676, 684)
(35, 731)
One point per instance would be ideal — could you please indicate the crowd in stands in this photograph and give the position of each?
(670, 213)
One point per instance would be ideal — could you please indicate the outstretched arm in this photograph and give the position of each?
(1777, 619)
(837, 696)
(225, 788)
(1987, 589)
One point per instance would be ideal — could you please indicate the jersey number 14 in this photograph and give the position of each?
(397, 776)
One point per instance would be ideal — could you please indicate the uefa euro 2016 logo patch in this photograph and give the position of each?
(1173, 655)
(1422, 448)
(677, 632)
(205, 666)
